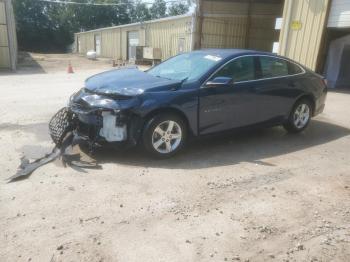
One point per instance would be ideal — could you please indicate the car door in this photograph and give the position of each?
(231, 105)
(275, 89)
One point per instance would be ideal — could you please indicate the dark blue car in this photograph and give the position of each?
(195, 94)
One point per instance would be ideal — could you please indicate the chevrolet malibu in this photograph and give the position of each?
(195, 94)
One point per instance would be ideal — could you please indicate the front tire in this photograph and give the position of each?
(164, 135)
(300, 116)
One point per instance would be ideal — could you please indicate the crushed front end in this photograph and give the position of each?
(105, 119)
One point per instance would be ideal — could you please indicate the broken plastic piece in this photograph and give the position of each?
(61, 132)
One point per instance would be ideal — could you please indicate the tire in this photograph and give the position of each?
(299, 117)
(164, 135)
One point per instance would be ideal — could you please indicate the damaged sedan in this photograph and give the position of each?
(195, 94)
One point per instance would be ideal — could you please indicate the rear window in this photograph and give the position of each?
(294, 69)
(273, 67)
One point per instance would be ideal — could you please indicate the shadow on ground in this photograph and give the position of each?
(26, 65)
(243, 146)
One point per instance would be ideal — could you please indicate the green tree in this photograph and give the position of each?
(140, 12)
(178, 9)
(158, 9)
(46, 27)
(43, 26)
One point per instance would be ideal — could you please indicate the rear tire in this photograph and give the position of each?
(164, 135)
(299, 117)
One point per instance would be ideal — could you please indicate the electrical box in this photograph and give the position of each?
(152, 53)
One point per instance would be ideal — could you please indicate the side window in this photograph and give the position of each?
(273, 67)
(294, 69)
(241, 69)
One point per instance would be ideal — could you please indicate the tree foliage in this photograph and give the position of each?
(158, 9)
(178, 9)
(140, 12)
(47, 27)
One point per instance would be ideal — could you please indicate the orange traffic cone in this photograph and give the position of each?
(70, 68)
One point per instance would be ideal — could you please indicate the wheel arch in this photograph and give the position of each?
(310, 98)
(169, 110)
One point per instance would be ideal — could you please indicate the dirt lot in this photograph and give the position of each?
(255, 196)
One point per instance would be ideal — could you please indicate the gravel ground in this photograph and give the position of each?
(261, 195)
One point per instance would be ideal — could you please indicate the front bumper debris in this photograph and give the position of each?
(61, 131)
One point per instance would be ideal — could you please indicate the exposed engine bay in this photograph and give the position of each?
(105, 119)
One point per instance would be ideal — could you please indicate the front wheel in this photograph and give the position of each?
(164, 135)
(300, 116)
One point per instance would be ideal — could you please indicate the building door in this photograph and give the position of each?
(133, 41)
(181, 45)
(98, 45)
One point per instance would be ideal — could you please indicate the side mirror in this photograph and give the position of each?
(220, 81)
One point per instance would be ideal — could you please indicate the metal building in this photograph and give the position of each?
(8, 40)
(302, 30)
(253, 24)
(172, 35)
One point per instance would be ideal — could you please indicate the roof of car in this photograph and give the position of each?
(225, 53)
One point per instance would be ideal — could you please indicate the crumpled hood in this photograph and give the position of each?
(128, 82)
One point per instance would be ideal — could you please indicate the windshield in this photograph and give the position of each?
(189, 66)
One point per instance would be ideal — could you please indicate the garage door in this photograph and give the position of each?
(133, 41)
(339, 16)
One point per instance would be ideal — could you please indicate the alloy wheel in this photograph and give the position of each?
(167, 137)
(301, 116)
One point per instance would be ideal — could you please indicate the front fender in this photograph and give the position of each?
(183, 102)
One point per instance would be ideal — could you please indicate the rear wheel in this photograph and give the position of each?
(164, 135)
(300, 116)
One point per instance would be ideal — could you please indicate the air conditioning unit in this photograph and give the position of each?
(136, 53)
(152, 53)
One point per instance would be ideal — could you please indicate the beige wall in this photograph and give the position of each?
(237, 24)
(303, 43)
(8, 42)
(4, 49)
(163, 33)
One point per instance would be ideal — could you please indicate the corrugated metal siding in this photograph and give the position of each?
(110, 43)
(303, 45)
(5, 61)
(2, 13)
(3, 36)
(339, 15)
(262, 33)
(8, 41)
(224, 32)
(162, 34)
(4, 57)
(226, 24)
(166, 35)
